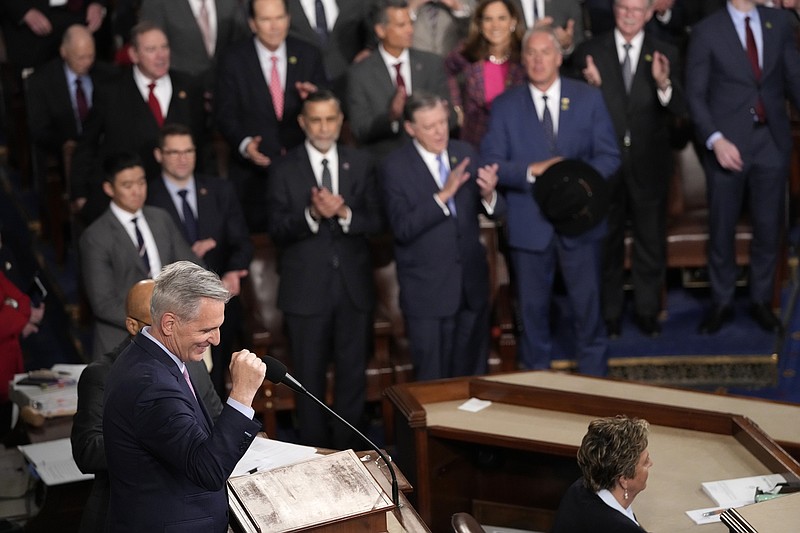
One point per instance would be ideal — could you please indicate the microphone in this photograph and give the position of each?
(277, 373)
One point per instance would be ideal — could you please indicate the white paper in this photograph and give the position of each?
(265, 454)
(740, 491)
(473, 405)
(53, 461)
(697, 515)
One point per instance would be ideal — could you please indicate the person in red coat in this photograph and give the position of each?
(17, 317)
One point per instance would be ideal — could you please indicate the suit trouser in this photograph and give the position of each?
(341, 334)
(451, 346)
(645, 207)
(580, 268)
(763, 179)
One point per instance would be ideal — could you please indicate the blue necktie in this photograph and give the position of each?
(547, 125)
(444, 172)
(189, 222)
(322, 22)
(141, 248)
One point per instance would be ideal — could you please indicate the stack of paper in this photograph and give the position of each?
(53, 461)
(729, 493)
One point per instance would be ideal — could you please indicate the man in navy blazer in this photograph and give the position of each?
(258, 125)
(739, 112)
(519, 142)
(212, 223)
(167, 461)
(323, 205)
(433, 192)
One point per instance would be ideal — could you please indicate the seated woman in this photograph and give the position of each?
(614, 460)
(485, 65)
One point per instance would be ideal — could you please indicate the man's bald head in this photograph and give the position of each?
(77, 49)
(137, 306)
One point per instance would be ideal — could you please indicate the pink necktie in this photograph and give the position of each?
(275, 89)
(188, 381)
(205, 28)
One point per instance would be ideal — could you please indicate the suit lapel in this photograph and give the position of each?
(120, 234)
(770, 42)
(254, 75)
(290, 96)
(205, 206)
(345, 178)
(300, 22)
(419, 169)
(737, 53)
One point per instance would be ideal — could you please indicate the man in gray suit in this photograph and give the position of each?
(439, 25)
(129, 242)
(378, 86)
(198, 32)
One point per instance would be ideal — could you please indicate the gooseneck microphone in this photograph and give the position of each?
(277, 373)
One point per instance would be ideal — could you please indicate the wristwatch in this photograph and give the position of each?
(11, 302)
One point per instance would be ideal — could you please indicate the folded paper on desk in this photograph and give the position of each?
(737, 492)
(53, 461)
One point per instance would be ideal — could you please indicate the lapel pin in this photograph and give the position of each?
(292, 60)
(203, 191)
(648, 58)
(182, 95)
(345, 166)
(564, 104)
(768, 25)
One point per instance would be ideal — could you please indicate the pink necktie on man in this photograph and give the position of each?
(188, 381)
(275, 89)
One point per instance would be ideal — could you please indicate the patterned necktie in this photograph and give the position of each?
(188, 381)
(155, 107)
(275, 89)
(399, 80)
(327, 180)
(189, 221)
(444, 172)
(627, 71)
(752, 55)
(80, 101)
(547, 125)
(322, 22)
(204, 22)
(141, 248)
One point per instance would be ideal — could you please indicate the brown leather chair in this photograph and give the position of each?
(465, 523)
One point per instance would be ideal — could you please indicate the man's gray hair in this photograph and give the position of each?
(179, 287)
(547, 30)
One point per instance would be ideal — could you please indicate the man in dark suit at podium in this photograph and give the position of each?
(322, 204)
(168, 462)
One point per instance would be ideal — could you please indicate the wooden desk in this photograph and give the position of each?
(510, 463)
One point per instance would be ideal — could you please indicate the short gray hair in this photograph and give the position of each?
(180, 286)
(547, 30)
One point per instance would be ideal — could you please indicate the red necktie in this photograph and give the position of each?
(80, 100)
(401, 83)
(275, 89)
(155, 107)
(752, 55)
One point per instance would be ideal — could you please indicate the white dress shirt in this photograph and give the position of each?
(331, 12)
(315, 157)
(162, 90)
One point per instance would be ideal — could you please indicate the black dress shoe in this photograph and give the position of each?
(715, 319)
(762, 313)
(613, 328)
(648, 324)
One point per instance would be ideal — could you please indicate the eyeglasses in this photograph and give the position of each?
(140, 321)
(178, 153)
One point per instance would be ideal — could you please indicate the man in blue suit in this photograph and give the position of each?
(532, 127)
(744, 63)
(167, 461)
(432, 202)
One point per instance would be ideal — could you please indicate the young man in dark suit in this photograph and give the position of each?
(128, 114)
(261, 85)
(323, 205)
(433, 193)
(639, 77)
(209, 213)
(744, 64)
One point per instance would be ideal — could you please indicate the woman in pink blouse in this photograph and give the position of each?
(485, 65)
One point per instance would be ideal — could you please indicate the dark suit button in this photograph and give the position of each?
(335, 261)
(752, 111)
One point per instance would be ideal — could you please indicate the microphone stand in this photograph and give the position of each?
(395, 488)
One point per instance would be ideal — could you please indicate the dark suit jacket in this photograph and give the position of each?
(516, 138)
(187, 50)
(121, 121)
(243, 103)
(110, 265)
(305, 267)
(25, 48)
(582, 510)
(640, 113)
(439, 257)
(348, 37)
(51, 117)
(87, 429)
(561, 11)
(219, 217)
(370, 90)
(722, 89)
(167, 461)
